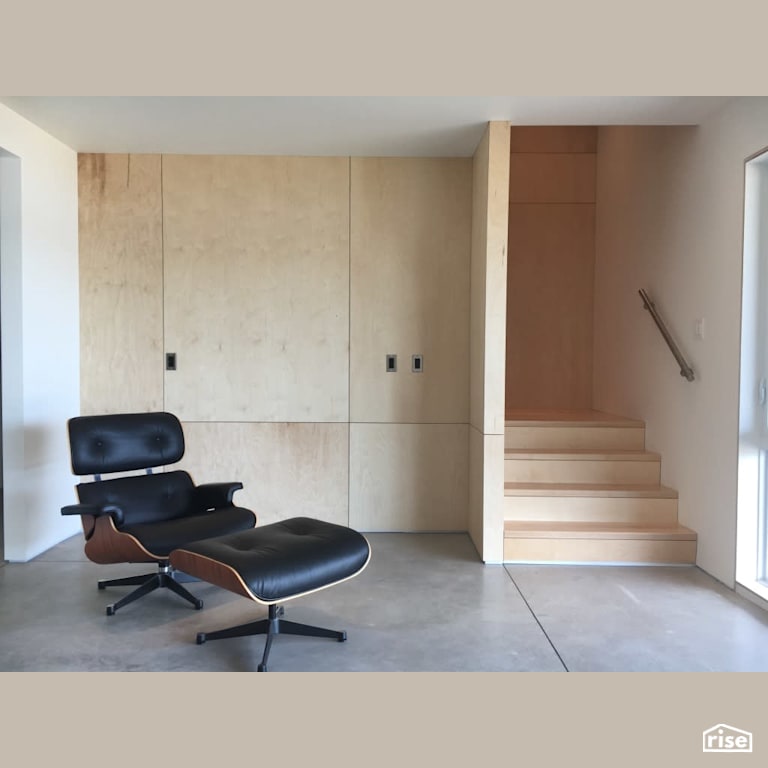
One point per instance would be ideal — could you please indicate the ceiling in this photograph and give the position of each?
(329, 125)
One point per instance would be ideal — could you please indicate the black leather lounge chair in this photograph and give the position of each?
(143, 518)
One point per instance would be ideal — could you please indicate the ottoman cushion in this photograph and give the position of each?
(278, 561)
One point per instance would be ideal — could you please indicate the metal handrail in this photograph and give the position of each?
(685, 369)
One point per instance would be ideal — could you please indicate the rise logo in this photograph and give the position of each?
(726, 738)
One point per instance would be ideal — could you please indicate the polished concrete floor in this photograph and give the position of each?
(425, 603)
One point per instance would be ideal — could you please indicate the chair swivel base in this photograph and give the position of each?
(274, 625)
(149, 582)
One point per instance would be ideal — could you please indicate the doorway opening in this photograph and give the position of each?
(10, 266)
(752, 512)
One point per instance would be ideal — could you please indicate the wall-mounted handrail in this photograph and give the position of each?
(685, 369)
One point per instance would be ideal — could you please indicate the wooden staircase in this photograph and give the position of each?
(581, 488)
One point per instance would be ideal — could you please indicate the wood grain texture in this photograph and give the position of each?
(478, 270)
(549, 306)
(489, 279)
(476, 522)
(553, 138)
(487, 323)
(257, 287)
(599, 551)
(574, 417)
(496, 265)
(604, 531)
(108, 545)
(409, 477)
(121, 279)
(486, 499)
(211, 571)
(625, 470)
(627, 438)
(552, 178)
(287, 469)
(410, 250)
(639, 510)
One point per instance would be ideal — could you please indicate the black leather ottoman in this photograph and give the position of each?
(274, 563)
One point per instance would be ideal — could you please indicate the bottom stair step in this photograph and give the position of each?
(537, 542)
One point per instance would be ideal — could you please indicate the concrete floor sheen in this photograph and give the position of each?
(424, 603)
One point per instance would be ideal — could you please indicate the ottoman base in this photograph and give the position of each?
(274, 625)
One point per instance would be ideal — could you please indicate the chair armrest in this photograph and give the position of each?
(94, 510)
(216, 495)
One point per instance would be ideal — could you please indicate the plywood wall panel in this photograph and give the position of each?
(552, 178)
(553, 138)
(287, 470)
(487, 340)
(496, 244)
(549, 315)
(410, 252)
(121, 279)
(257, 287)
(409, 477)
(475, 519)
(478, 276)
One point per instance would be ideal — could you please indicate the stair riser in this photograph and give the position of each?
(582, 471)
(588, 509)
(551, 550)
(599, 438)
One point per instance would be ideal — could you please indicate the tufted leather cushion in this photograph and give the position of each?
(288, 558)
(162, 537)
(124, 441)
(143, 498)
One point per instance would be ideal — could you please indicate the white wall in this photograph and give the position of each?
(40, 335)
(669, 219)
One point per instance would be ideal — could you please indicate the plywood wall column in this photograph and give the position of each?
(488, 303)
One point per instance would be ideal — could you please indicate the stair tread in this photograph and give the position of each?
(566, 530)
(568, 418)
(590, 489)
(581, 454)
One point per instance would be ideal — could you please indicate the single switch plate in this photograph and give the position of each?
(391, 364)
